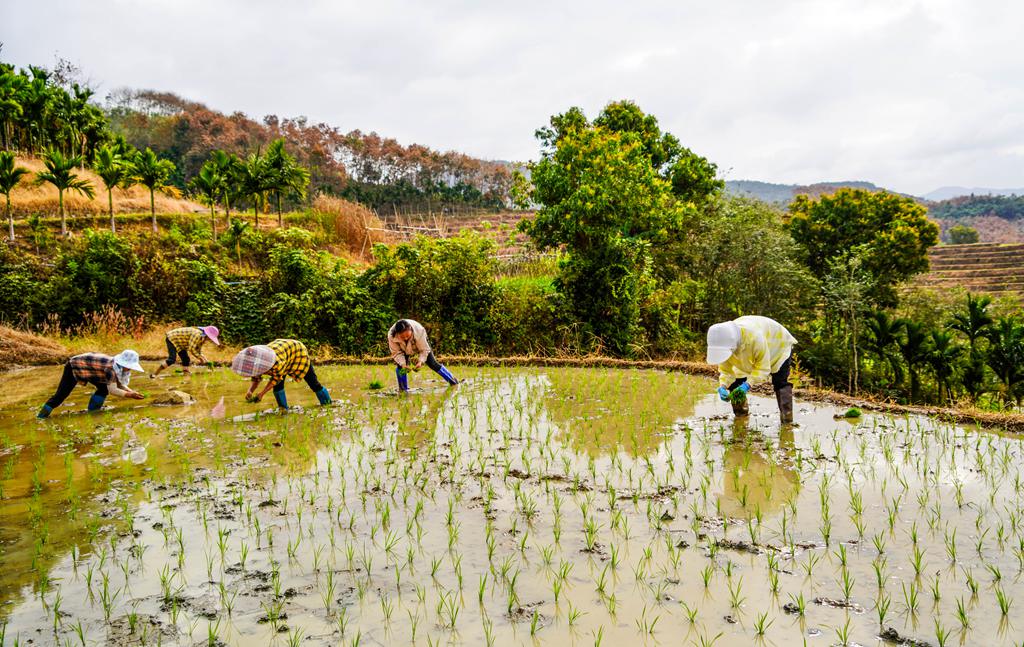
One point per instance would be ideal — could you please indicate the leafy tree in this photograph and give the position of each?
(889, 232)
(115, 170)
(845, 288)
(152, 173)
(10, 177)
(210, 184)
(962, 235)
(1005, 357)
(606, 195)
(60, 172)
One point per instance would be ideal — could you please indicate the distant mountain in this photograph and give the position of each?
(947, 192)
(783, 194)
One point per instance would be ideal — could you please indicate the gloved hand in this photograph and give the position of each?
(723, 393)
(745, 387)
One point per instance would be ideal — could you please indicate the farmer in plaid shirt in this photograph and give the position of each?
(276, 361)
(108, 374)
(183, 341)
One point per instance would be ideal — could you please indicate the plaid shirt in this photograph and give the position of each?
(93, 368)
(292, 360)
(188, 339)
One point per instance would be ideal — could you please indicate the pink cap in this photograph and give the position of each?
(212, 332)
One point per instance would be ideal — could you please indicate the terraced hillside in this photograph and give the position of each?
(991, 268)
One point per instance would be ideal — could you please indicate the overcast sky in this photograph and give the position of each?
(909, 95)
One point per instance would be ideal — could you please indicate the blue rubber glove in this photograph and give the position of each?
(745, 387)
(723, 393)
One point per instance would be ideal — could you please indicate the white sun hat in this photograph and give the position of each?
(723, 339)
(128, 359)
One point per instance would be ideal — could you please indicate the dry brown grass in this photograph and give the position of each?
(19, 348)
(28, 198)
(351, 224)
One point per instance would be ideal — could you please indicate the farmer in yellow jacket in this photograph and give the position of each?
(184, 341)
(752, 349)
(280, 359)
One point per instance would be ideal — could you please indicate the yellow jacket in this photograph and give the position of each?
(764, 345)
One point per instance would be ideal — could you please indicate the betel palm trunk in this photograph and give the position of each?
(63, 220)
(152, 209)
(10, 218)
(213, 220)
(110, 204)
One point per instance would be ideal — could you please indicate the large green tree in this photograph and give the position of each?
(607, 195)
(10, 177)
(61, 173)
(890, 233)
(210, 185)
(284, 176)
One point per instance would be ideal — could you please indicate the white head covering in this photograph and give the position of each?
(128, 359)
(723, 339)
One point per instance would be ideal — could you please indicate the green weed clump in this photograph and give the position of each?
(852, 412)
(376, 385)
(737, 396)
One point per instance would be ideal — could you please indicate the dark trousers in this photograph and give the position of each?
(310, 378)
(67, 385)
(780, 378)
(173, 353)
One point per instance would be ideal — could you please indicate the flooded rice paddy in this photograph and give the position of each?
(558, 506)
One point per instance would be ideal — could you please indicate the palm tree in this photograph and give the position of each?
(883, 341)
(229, 167)
(209, 183)
(285, 176)
(1005, 357)
(974, 321)
(152, 173)
(915, 350)
(942, 359)
(60, 172)
(10, 176)
(238, 228)
(115, 171)
(255, 181)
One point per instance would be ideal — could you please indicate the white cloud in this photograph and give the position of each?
(908, 94)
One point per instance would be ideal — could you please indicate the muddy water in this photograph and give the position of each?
(527, 505)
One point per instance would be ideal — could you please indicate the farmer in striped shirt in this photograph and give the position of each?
(183, 341)
(108, 374)
(407, 341)
(276, 361)
(752, 349)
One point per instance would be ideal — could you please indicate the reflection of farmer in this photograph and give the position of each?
(184, 341)
(410, 349)
(277, 360)
(750, 482)
(751, 349)
(108, 374)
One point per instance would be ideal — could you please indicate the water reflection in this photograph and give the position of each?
(758, 478)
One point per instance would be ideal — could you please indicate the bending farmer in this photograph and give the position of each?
(750, 349)
(407, 340)
(277, 360)
(183, 341)
(108, 374)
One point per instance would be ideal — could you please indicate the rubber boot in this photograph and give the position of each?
(403, 379)
(96, 402)
(448, 377)
(282, 399)
(784, 397)
(45, 412)
(323, 396)
(740, 408)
